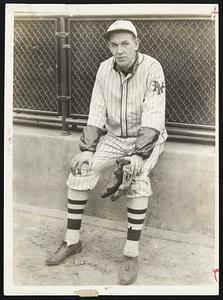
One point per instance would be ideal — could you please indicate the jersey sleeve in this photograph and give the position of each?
(97, 113)
(90, 138)
(153, 114)
(145, 141)
(96, 119)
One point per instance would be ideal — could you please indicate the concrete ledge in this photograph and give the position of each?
(182, 181)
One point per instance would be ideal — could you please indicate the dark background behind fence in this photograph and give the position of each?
(35, 64)
(185, 48)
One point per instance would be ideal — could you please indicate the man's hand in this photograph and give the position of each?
(85, 157)
(136, 164)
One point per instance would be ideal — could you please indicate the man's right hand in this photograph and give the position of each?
(85, 157)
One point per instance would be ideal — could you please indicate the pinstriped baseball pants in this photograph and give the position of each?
(109, 149)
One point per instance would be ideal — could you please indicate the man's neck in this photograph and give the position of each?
(129, 69)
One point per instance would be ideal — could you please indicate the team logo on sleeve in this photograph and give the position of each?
(157, 87)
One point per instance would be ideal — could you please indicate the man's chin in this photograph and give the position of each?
(122, 65)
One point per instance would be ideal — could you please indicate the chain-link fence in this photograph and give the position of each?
(35, 56)
(185, 48)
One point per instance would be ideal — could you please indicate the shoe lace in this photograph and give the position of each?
(128, 264)
(61, 247)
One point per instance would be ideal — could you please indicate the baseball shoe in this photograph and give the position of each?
(63, 252)
(128, 270)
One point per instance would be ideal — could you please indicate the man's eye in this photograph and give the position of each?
(125, 44)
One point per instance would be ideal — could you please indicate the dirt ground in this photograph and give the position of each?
(161, 262)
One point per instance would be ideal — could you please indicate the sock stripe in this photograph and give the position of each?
(74, 216)
(135, 226)
(73, 224)
(135, 221)
(136, 211)
(75, 206)
(136, 216)
(77, 201)
(133, 235)
(75, 211)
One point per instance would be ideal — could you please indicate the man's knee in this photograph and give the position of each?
(140, 187)
(82, 182)
(83, 170)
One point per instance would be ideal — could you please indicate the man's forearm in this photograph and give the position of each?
(145, 141)
(90, 138)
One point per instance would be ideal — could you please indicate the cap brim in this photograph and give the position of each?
(107, 34)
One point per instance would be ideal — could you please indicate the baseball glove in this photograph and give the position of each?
(122, 180)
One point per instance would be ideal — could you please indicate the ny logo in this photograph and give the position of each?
(157, 87)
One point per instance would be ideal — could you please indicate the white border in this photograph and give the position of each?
(112, 9)
(115, 290)
(217, 142)
(8, 144)
(82, 10)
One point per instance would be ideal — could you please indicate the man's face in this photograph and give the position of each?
(123, 46)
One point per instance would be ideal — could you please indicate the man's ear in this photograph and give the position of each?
(137, 44)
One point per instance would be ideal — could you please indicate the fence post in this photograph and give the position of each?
(64, 96)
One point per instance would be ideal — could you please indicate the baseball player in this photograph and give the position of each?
(128, 99)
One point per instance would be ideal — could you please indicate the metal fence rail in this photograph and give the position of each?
(184, 47)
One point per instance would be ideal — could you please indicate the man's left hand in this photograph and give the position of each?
(136, 164)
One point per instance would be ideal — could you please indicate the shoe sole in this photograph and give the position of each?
(128, 282)
(48, 263)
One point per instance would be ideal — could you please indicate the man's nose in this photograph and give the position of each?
(120, 49)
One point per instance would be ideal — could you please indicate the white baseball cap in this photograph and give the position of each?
(121, 25)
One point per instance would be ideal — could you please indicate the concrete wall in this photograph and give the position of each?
(182, 181)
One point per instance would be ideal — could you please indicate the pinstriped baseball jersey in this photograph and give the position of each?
(126, 103)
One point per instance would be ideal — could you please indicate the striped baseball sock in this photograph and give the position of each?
(136, 210)
(75, 205)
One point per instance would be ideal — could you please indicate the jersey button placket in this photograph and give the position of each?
(124, 93)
